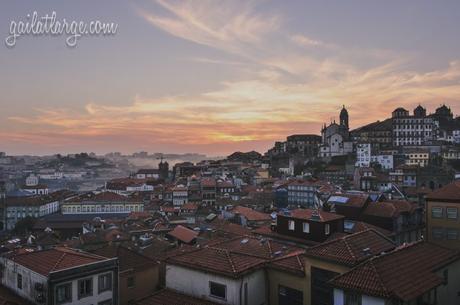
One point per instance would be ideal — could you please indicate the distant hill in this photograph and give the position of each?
(245, 156)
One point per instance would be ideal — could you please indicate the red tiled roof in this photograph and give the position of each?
(102, 197)
(355, 200)
(293, 263)
(47, 261)
(170, 297)
(220, 261)
(349, 250)
(183, 234)
(251, 214)
(450, 192)
(382, 209)
(208, 182)
(264, 248)
(235, 257)
(189, 206)
(307, 214)
(405, 273)
(363, 226)
(225, 184)
(403, 206)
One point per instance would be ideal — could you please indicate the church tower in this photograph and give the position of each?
(344, 117)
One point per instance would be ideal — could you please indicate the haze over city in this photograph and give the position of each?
(215, 77)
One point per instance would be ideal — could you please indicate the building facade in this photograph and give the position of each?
(442, 216)
(412, 130)
(61, 276)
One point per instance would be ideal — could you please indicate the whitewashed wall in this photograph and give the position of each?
(196, 283)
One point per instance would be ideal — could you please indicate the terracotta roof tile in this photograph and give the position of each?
(405, 273)
(450, 192)
(183, 234)
(293, 263)
(352, 249)
(251, 214)
(382, 209)
(47, 261)
(307, 214)
(216, 260)
(235, 257)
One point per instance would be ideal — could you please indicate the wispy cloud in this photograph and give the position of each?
(293, 83)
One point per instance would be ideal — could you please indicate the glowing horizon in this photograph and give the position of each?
(216, 77)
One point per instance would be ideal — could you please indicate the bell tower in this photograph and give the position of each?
(344, 117)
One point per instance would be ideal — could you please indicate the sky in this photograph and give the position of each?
(215, 77)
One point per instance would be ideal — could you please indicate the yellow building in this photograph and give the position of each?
(442, 219)
(419, 158)
(330, 259)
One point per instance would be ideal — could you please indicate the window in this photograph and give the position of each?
(452, 213)
(64, 293)
(452, 234)
(306, 227)
(85, 288)
(105, 282)
(130, 282)
(19, 281)
(437, 212)
(217, 290)
(437, 233)
(352, 298)
(445, 275)
(289, 296)
(291, 225)
(327, 229)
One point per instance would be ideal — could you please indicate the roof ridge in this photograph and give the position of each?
(300, 262)
(229, 258)
(59, 260)
(270, 250)
(377, 276)
(295, 253)
(352, 254)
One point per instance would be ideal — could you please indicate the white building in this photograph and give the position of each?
(221, 275)
(148, 174)
(386, 161)
(417, 273)
(456, 136)
(32, 180)
(61, 276)
(180, 195)
(363, 155)
(336, 138)
(105, 202)
(410, 130)
(18, 208)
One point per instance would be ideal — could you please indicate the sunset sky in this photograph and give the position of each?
(215, 77)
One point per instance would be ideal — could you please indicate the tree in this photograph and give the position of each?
(24, 225)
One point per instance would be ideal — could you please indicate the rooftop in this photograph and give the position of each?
(183, 234)
(352, 249)
(405, 273)
(251, 214)
(237, 256)
(450, 193)
(56, 259)
(310, 215)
